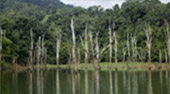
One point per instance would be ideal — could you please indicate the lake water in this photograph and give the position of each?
(85, 82)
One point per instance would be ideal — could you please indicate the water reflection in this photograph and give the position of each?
(150, 91)
(54, 81)
(111, 82)
(116, 83)
(86, 81)
(57, 82)
(30, 83)
(0, 83)
(97, 81)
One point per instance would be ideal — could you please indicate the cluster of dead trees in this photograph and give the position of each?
(91, 48)
(39, 56)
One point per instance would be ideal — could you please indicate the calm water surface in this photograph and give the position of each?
(85, 82)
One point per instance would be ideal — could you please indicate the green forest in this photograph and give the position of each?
(47, 19)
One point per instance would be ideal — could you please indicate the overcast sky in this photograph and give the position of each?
(104, 3)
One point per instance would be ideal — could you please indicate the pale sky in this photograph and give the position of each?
(104, 3)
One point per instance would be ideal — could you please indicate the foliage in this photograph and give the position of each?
(47, 17)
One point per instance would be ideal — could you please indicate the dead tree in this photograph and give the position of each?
(79, 58)
(141, 55)
(1, 37)
(42, 51)
(168, 42)
(45, 57)
(114, 34)
(128, 47)
(74, 45)
(85, 47)
(148, 32)
(58, 43)
(38, 51)
(31, 48)
(166, 57)
(160, 56)
(124, 55)
(97, 54)
(134, 48)
(111, 41)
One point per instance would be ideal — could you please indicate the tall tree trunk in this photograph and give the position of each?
(115, 50)
(38, 51)
(42, 51)
(128, 47)
(1, 37)
(148, 32)
(166, 57)
(111, 41)
(124, 55)
(69, 61)
(86, 47)
(97, 54)
(31, 49)
(58, 43)
(168, 42)
(79, 58)
(74, 45)
(160, 56)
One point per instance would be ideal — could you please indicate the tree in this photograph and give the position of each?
(148, 32)
(1, 37)
(74, 45)
(58, 43)
(97, 55)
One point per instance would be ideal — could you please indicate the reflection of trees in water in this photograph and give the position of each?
(168, 83)
(116, 83)
(75, 82)
(0, 83)
(160, 74)
(129, 84)
(150, 91)
(86, 81)
(15, 81)
(124, 82)
(40, 80)
(97, 81)
(110, 81)
(57, 82)
(30, 83)
(135, 83)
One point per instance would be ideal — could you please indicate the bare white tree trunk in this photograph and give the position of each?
(134, 48)
(1, 37)
(124, 54)
(160, 56)
(111, 41)
(114, 34)
(166, 57)
(97, 46)
(38, 51)
(58, 43)
(85, 47)
(141, 55)
(168, 42)
(79, 58)
(128, 47)
(74, 45)
(31, 48)
(148, 32)
(42, 51)
(97, 54)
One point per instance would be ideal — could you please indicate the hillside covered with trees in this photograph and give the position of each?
(48, 18)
